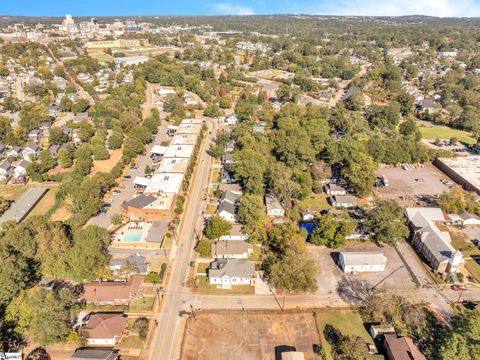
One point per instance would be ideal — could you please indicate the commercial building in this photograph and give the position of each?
(150, 208)
(432, 243)
(464, 170)
(130, 60)
(179, 151)
(358, 262)
(165, 183)
(184, 139)
(173, 165)
(93, 46)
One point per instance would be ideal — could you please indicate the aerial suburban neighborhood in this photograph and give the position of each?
(250, 186)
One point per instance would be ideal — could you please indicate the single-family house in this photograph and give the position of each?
(344, 201)
(60, 83)
(325, 96)
(14, 151)
(469, 218)
(429, 105)
(34, 135)
(308, 215)
(95, 354)
(334, 189)
(236, 234)
(230, 197)
(5, 170)
(227, 211)
(227, 176)
(432, 243)
(228, 272)
(45, 126)
(81, 116)
(401, 348)
(21, 168)
(104, 329)
(113, 292)
(227, 159)
(359, 262)
(230, 146)
(54, 150)
(53, 110)
(133, 264)
(3, 149)
(224, 249)
(274, 207)
(231, 120)
(32, 150)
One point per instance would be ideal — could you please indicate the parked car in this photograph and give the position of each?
(116, 192)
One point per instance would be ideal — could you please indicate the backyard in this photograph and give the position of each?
(316, 202)
(349, 322)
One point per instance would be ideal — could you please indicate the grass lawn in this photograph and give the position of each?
(443, 132)
(142, 304)
(132, 341)
(216, 176)
(316, 202)
(205, 288)
(347, 321)
(11, 192)
(202, 268)
(211, 209)
(460, 241)
(102, 57)
(45, 204)
(257, 251)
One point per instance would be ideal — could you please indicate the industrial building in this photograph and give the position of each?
(464, 170)
(25, 203)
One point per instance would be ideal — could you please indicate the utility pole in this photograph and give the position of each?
(193, 312)
(283, 305)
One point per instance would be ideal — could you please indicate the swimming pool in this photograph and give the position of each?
(132, 237)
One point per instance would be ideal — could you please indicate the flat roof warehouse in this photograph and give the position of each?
(465, 171)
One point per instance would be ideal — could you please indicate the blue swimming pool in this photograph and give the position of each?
(132, 237)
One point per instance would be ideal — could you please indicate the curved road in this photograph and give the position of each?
(174, 298)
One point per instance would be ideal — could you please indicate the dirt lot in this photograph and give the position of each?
(330, 273)
(404, 185)
(245, 336)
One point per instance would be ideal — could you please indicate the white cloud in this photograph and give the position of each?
(441, 8)
(232, 9)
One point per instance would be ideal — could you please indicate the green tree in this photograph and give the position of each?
(204, 248)
(359, 173)
(212, 111)
(331, 231)
(116, 219)
(141, 327)
(115, 140)
(4, 205)
(32, 115)
(66, 156)
(217, 227)
(57, 136)
(386, 223)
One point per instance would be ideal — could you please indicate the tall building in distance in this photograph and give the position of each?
(69, 25)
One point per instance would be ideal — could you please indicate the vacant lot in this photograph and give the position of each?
(316, 202)
(433, 132)
(406, 185)
(248, 335)
(46, 203)
(348, 322)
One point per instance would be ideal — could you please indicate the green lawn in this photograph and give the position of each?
(205, 288)
(102, 57)
(443, 132)
(202, 268)
(316, 202)
(460, 241)
(142, 304)
(347, 321)
(132, 341)
(257, 251)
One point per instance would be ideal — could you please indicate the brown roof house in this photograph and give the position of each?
(401, 348)
(104, 329)
(113, 292)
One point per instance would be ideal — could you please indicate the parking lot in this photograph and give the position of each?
(395, 276)
(126, 187)
(406, 186)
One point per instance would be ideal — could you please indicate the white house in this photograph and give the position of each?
(231, 249)
(469, 218)
(236, 234)
(14, 151)
(228, 272)
(334, 189)
(31, 150)
(230, 119)
(227, 211)
(274, 207)
(5, 169)
(358, 262)
(21, 168)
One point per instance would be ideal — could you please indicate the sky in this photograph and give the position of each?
(441, 8)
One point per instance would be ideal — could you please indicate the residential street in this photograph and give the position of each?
(173, 300)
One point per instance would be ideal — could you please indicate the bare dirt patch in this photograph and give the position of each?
(405, 186)
(248, 335)
(107, 165)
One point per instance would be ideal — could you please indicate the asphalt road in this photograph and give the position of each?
(173, 300)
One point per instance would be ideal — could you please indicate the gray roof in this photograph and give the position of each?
(225, 247)
(157, 232)
(229, 196)
(428, 103)
(94, 354)
(231, 268)
(465, 215)
(363, 258)
(5, 165)
(226, 206)
(272, 202)
(33, 146)
(141, 201)
(352, 90)
(344, 199)
(136, 260)
(2, 147)
(24, 164)
(25, 203)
